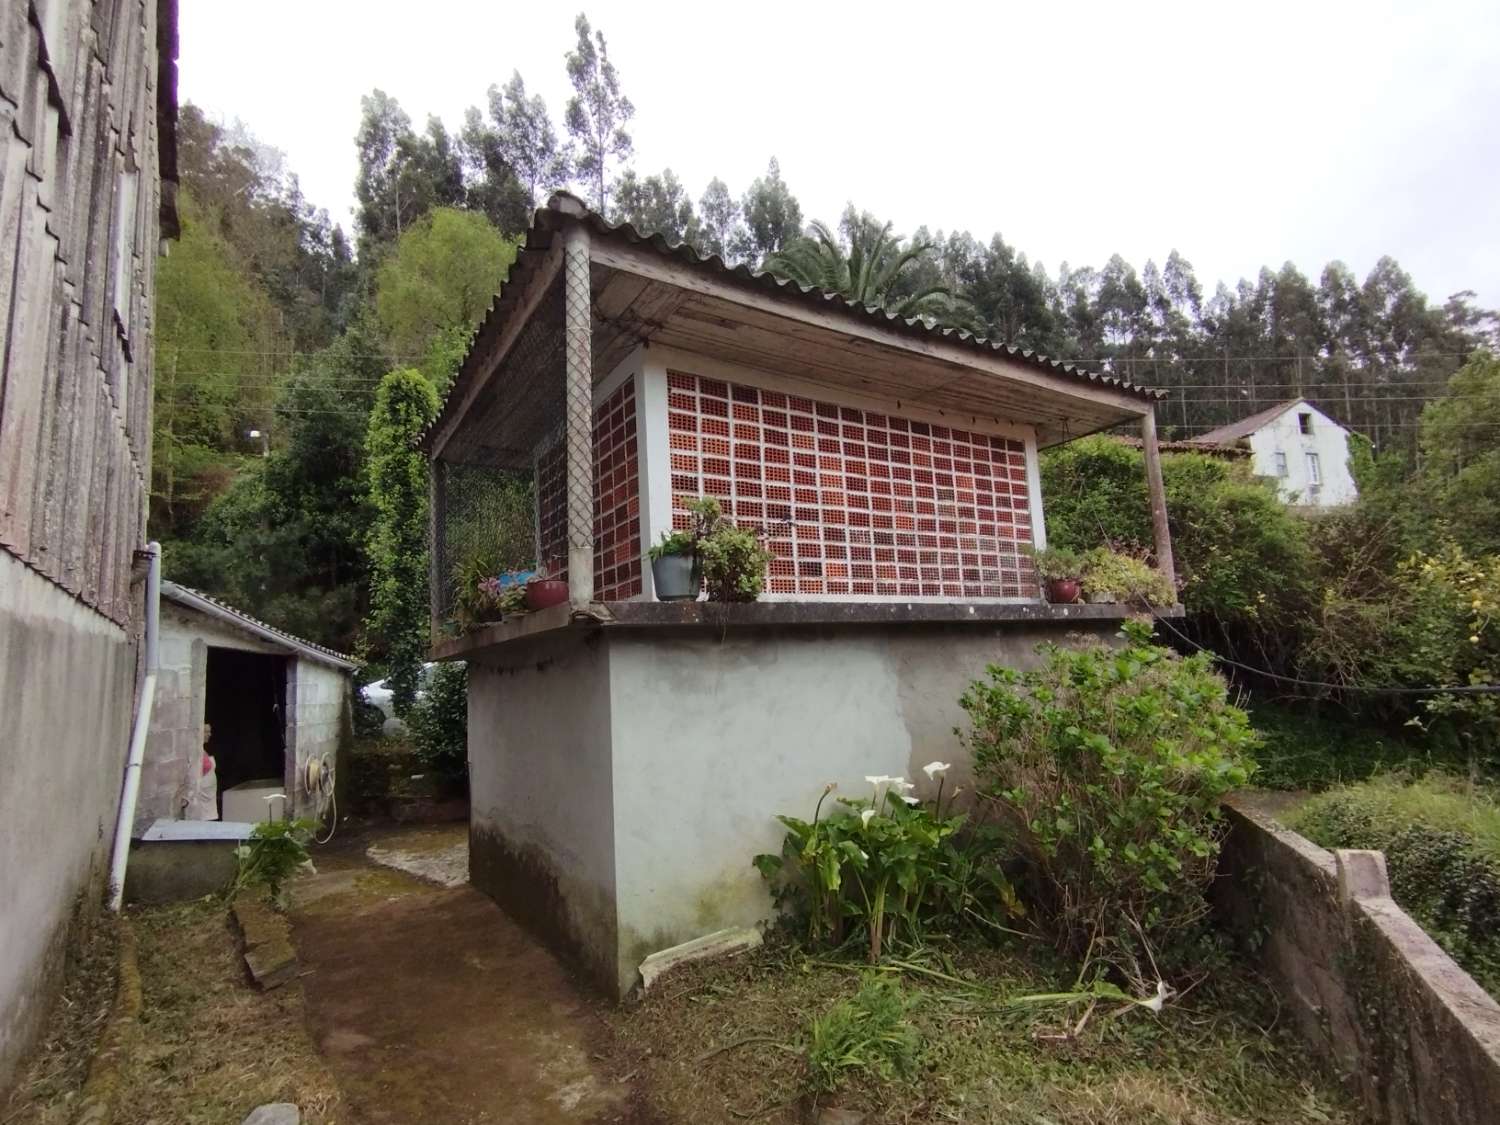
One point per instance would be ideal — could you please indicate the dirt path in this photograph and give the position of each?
(430, 1004)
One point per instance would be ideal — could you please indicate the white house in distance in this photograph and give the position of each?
(1305, 450)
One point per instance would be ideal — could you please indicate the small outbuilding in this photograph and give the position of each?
(627, 756)
(259, 700)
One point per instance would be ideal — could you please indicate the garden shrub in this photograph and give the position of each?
(440, 721)
(1441, 839)
(867, 1033)
(1110, 765)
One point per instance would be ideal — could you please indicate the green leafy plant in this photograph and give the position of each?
(397, 628)
(1056, 563)
(885, 868)
(440, 722)
(1110, 765)
(683, 542)
(481, 592)
(1112, 575)
(866, 1034)
(274, 852)
(1441, 839)
(734, 562)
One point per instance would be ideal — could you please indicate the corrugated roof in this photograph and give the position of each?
(198, 600)
(1246, 426)
(564, 207)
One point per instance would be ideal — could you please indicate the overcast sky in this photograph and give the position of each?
(1241, 137)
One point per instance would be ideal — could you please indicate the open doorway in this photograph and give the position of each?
(245, 705)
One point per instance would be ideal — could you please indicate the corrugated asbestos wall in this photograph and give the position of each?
(80, 201)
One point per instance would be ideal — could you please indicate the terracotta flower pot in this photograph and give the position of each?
(1062, 591)
(543, 593)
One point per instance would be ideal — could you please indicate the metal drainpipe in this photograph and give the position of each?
(132, 787)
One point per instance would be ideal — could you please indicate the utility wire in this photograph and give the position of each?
(1456, 689)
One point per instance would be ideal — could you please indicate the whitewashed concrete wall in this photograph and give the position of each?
(67, 687)
(541, 827)
(1328, 440)
(621, 782)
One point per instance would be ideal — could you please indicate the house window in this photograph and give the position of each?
(1280, 463)
(1314, 469)
(1304, 423)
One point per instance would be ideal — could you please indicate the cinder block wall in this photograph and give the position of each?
(319, 720)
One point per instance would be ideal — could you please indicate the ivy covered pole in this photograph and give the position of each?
(399, 625)
(1160, 529)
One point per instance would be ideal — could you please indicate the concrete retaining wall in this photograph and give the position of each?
(622, 780)
(1409, 1031)
(67, 682)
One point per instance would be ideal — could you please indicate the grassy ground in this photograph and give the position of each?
(46, 1093)
(724, 1042)
(1302, 749)
(210, 1048)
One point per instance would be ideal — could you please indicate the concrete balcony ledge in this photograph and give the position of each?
(779, 615)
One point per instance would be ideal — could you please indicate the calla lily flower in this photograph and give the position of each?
(912, 800)
(932, 769)
(866, 816)
(1155, 1003)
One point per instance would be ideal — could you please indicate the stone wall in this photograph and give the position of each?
(1409, 1031)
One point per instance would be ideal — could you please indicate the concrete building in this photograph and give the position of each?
(1303, 449)
(272, 700)
(627, 757)
(88, 113)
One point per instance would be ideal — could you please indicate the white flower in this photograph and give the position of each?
(912, 800)
(1156, 1002)
(932, 769)
(866, 816)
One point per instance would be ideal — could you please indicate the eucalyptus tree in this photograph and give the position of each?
(773, 217)
(598, 112)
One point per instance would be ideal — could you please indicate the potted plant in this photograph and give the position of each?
(675, 569)
(544, 590)
(1060, 571)
(1110, 576)
(733, 558)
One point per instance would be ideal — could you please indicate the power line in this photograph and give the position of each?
(1456, 689)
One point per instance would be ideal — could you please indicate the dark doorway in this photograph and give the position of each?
(246, 707)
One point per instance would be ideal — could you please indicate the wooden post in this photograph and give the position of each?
(578, 415)
(1158, 493)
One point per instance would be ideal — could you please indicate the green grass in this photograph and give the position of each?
(1441, 839)
(1302, 749)
(731, 1040)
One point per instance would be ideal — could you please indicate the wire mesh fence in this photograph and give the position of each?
(485, 518)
